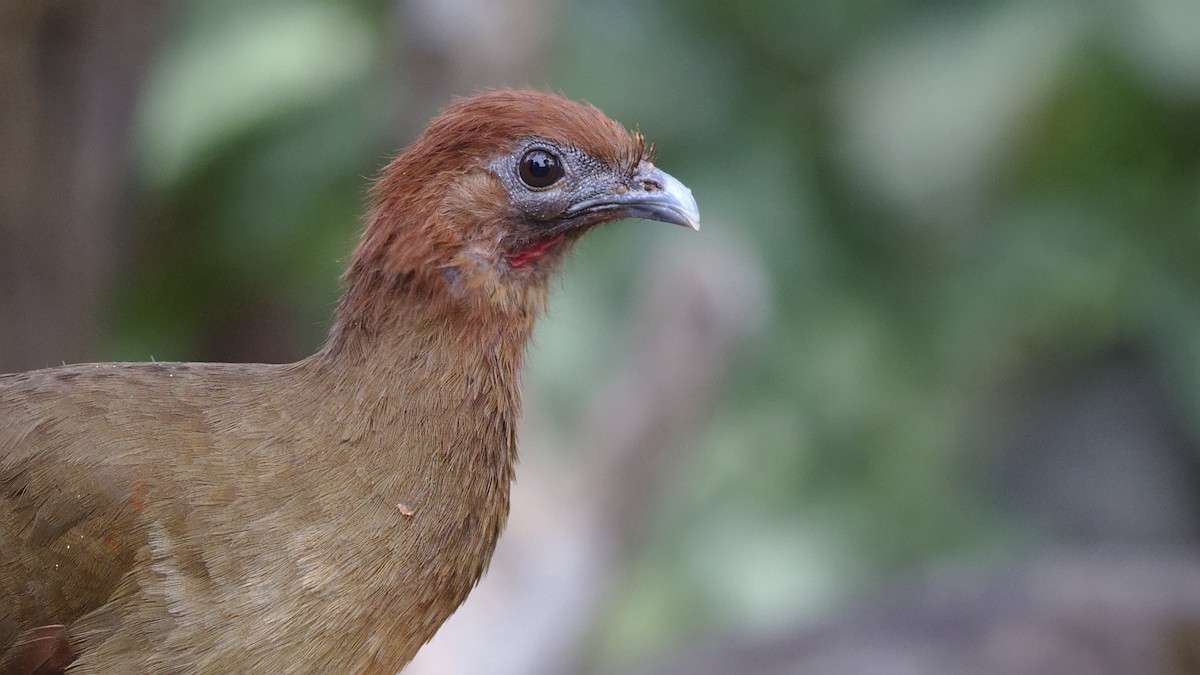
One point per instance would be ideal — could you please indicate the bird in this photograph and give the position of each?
(326, 515)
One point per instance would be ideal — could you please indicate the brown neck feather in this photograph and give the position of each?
(465, 299)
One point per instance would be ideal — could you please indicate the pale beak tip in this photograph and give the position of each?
(683, 202)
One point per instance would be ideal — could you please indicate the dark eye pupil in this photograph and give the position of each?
(540, 169)
(540, 166)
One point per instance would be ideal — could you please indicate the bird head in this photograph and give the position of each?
(480, 209)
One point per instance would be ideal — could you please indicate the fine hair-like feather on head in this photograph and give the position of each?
(494, 120)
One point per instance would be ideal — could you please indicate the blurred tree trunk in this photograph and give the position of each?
(70, 73)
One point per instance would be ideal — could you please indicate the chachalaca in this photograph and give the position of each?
(326, 515)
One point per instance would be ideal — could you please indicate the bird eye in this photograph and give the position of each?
(540, 169)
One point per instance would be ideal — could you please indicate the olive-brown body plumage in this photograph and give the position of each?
(326, 515)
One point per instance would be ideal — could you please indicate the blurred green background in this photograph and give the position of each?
(978, 226)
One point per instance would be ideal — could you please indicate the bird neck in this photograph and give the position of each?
(417, 341)
(386, 380)
(416, 399)
(383, 317)
(444, 333)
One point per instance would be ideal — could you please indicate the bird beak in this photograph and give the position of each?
(657, 196)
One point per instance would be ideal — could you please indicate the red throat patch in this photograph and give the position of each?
(534, 251)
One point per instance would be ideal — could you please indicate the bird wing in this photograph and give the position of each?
(68, 526)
